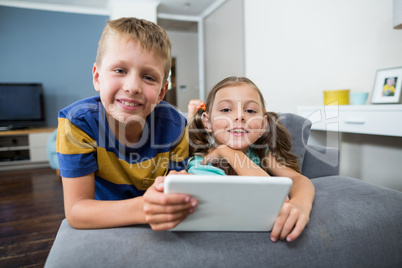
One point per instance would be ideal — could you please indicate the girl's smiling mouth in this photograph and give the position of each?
(238, 131)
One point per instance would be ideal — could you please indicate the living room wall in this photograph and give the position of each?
(297, 49)
(224, 43)
(57, 49)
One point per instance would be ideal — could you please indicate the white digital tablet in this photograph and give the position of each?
(230, 203)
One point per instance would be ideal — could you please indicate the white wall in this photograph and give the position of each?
(141, 9)
(224, 43)
(185, 50)
(296, 49)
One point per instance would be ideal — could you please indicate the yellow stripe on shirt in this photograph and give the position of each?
(72, 140)
(180, 152)
(141, 174)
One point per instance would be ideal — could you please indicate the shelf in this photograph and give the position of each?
(25, 148)
(14, 148)
(20, 162)
(383, 120)
(26, 131)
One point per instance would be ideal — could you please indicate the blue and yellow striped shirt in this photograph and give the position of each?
(85, 145)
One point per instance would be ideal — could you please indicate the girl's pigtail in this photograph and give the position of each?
(278, 139)
(198, 136)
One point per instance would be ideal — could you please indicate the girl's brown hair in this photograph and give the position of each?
(149, 35)
(276, 138)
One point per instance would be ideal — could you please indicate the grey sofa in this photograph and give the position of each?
(352, 224)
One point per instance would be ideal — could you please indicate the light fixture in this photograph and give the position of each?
(397, 14)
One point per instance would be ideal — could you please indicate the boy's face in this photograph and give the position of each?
(130, 80)
(390, 81)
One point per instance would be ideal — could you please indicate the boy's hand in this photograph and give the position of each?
(165, 211)
(290, 223)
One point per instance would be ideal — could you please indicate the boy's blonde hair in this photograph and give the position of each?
(149, 35)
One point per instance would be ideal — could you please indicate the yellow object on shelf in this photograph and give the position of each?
(336, 97)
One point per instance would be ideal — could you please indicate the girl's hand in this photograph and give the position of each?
(215, 155)
(290, 223)
(165, 211)
(233, 162)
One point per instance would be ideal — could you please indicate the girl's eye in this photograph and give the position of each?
(225, 110)
(251, 111)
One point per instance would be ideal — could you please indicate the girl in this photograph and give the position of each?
(232, 134)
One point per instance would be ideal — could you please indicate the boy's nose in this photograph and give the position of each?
(133, 85)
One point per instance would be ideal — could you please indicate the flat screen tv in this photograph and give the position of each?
(21, 105)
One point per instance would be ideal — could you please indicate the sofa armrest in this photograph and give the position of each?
(320, 161)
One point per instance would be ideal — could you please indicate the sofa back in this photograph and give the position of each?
(299, 130)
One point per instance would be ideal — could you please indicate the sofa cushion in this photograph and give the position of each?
(299, 130)
(352, 224)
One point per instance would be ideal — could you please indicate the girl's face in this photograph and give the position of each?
(236, 117)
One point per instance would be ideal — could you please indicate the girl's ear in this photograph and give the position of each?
(95, 77)
(206, 123)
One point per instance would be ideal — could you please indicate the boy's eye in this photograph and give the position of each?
(119, 71)
(149, 78)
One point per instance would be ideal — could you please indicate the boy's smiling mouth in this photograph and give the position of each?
(129, 104)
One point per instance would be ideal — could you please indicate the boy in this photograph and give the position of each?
(112, 147)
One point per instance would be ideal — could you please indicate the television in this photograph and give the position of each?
(21, 105)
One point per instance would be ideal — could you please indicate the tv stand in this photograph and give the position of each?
(20, 127)
(24, 148)
(5, 128)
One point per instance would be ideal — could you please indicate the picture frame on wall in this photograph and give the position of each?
(387, 86)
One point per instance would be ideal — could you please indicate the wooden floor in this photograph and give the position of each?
(31, 211)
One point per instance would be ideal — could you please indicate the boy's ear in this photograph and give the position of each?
(163, 91)
(95, 77)
(206, 123)
(264, 124)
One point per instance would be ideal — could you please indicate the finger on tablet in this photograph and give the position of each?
(279, 223)
(288, 225)
(297, 230)
(162, 226)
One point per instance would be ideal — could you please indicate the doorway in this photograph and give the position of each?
(170, 96)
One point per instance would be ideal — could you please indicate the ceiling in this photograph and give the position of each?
(191, 8)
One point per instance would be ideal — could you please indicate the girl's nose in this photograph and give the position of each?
(239, 115)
